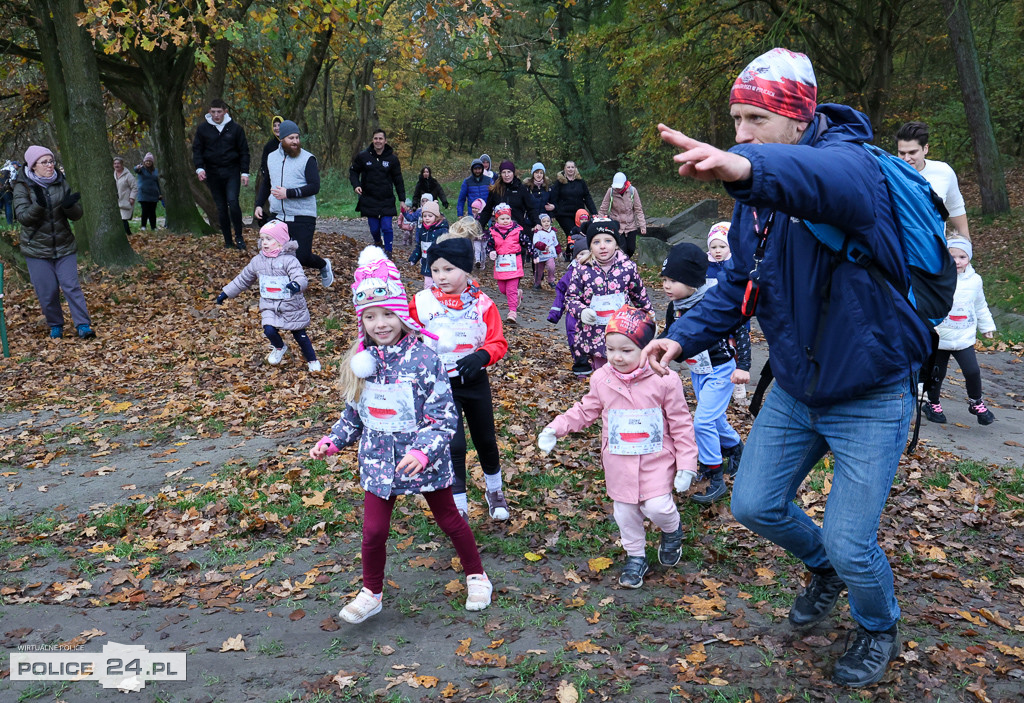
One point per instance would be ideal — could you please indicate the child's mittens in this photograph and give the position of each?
(325, 447)
(554, 315)
(588, 316)
(546, 439)
(682, 481)
(293, 287)
(221, 298)
(469, 366)
(494, 255)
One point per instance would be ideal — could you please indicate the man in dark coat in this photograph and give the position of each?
(220, 154)
(375, 175)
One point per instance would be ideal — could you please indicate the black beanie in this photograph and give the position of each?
(686, 263)
(603, 225)
(457, 251)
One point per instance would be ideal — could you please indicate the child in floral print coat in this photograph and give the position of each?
(598, 288)
(399, 408)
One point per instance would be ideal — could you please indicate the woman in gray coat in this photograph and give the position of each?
(281, 281)
(44, 205)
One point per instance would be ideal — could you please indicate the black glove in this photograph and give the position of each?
(292, 286)
(469, 366)
(40, 195)
(70, 199)
(221, 298)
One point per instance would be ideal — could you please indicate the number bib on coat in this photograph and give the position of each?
(465, 327)
(700, 363)
(961, 317)
(635, 431)
(505, 263)
(606, 305)
(388, 407)
(273, 287)
(424, 248)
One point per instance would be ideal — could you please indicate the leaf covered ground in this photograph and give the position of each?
(156, 488)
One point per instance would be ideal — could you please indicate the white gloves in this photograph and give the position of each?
(683, 481)
(546, 439)
(588, 316)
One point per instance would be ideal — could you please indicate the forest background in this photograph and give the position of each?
(449, 79)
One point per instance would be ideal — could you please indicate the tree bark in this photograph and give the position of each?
(366, 106)
(303, 89)
(221, 55)
(989, 169)
(87, 151)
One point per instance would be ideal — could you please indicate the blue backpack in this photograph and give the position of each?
(919, 215)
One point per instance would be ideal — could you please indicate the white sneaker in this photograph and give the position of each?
(327, 274)
(314, 366)
(275, 355)
(479, 589)
(364, 606)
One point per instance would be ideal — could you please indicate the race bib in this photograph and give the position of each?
(388, 407)
(273, 287)
(606, 305)
(468, 338)
(635, 431)
(505, 263)
(700, 363)
(424, 247)
(961, 317)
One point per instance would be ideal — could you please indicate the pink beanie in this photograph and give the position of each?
(276, 229)
(479, 203)
(379, 284)
(33, 154)
(780, 81)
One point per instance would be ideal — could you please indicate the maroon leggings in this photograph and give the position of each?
(377, 526)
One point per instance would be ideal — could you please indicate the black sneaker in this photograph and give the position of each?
(239, 243)
(582, 368)
(978, 408)
(817, 600)
(671, 549)
(716, 489)
(933, 412)
(867, 659)
(633, 572)
(733, 454)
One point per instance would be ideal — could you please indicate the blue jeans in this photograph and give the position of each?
(867, 436)
(381, 226)
(710, 424)
(7, 199)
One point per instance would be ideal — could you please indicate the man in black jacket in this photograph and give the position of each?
(220, 154)
(375, 175)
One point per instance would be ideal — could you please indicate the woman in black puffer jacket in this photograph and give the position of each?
(44, 204)
(570, 193)
(507, 188)
(428, 184)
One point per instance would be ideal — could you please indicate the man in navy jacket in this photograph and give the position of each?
(844, 349)
(220, 153)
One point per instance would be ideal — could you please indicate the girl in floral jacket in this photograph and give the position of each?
(399, 408)
(598, 288)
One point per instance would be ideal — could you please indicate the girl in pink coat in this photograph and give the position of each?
(647, 442)
(507, 256)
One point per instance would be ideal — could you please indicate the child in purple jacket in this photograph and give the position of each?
(580, 253)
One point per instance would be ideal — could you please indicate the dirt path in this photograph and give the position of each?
(711, 629)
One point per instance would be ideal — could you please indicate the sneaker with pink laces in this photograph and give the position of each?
(978, 408)
(478, 590)
(364, 606)
(933, 411)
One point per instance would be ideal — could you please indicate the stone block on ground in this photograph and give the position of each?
(650, 252)
(702, 211)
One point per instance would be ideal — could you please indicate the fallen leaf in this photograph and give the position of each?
(533, 556)
(567, 693)
(463, 648)
(449, 690)
(387, 650)
(329, 624)
(599, 564)
(297, 615)
(233, 644)
(427, 681)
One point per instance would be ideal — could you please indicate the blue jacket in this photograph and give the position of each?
(472, 188)
(870, 335)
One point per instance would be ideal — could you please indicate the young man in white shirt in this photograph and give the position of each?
(912, 147)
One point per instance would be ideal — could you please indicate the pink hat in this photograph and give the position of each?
(33, 154)
(780, 81)
(379, 284)
(719, 232)
(278, 230)
(479, 203)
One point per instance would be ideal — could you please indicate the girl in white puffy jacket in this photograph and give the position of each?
(959, 331)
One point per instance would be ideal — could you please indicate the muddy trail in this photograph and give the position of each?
(157, 493)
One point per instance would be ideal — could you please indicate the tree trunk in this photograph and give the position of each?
(221, 55)
(88, 152)
(366, 106)
(303, 89)
(989, 169)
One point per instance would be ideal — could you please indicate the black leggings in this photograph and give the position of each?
(968, 362)
(302, 229)
(148, 214)
(566, 223)
(629, 240)
(300, 336)
(473, 400)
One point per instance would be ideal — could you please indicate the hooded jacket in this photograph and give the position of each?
(423, 239)
(432, 186)
(380, 176)
(968, 316)
(870, 336)
(278, 308)
(624, 208)
(45, 231)
(222, 149)
(424, 417)
(637, 477)
(472, 188)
